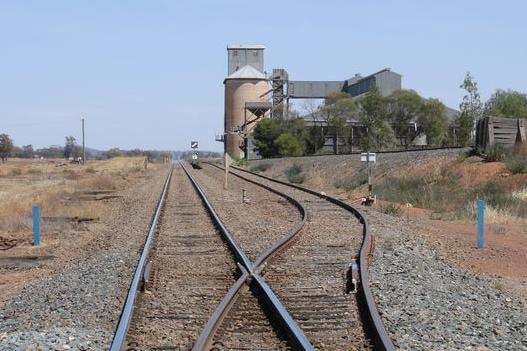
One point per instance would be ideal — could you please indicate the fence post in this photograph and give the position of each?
(36, 225)
(481, 224)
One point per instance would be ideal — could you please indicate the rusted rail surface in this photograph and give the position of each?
(127, 335)
(250, 274)
(251, 271)
(382, 339)
(118, 342)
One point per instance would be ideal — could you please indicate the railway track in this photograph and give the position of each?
(315, 277)
(191, 271)
(197, 298)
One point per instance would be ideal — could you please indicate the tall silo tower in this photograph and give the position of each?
(245, 87)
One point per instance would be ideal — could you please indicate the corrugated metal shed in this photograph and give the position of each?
(385, 80)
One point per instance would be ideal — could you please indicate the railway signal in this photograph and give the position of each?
(195, 162)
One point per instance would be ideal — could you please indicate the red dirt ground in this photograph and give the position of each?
(504, 255)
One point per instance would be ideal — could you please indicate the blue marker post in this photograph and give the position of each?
(481, 223)
(36, 225)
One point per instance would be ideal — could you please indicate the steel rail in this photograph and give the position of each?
(233, 245)
(204, 341)
(382, 340)
(126, 315)
(285, 240)
(296, 336)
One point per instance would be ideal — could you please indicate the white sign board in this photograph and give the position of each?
(364, 157)
(194, 144)
(194, 157)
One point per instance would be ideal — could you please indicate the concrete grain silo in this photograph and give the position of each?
(244, 88)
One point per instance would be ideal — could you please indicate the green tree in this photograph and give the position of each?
(135, 152)
(433, 122)
(339, 109)
(114, 152)
(404, 107)
(507, 103)
(27, 151)
(51, 152)
(69, 147)
(289, 145)
(265, 133)
(6, 146)
(316, 133)
(471, 110)
(376, 133)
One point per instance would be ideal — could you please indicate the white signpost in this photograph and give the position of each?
(368, 157)
(365, 155)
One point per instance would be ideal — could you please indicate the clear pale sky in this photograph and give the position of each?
(149, 74)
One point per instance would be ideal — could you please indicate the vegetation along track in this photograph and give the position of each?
(314, 278)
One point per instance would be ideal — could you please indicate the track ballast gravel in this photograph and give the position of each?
(310, 276)
(192, 270)
(257, 224)
(78, 306)
(427, 304)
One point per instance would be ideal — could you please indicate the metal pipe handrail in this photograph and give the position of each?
(126, 315)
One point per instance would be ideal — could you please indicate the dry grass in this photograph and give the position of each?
(520, 151)
(496, 216)
(493, 215)
(57, 187)
(520, 194)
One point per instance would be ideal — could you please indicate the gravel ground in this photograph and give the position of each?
(429, 305)
(256, 225)
(78, 305)
(191, 273)
(317, 267)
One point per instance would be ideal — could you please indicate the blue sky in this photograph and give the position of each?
(149, 74)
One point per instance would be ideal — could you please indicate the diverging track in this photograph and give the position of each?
(204, 285)
(314, 277)
(193, 277)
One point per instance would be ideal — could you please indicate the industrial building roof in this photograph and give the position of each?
(358, 77)
(245, 46)
(247, 72)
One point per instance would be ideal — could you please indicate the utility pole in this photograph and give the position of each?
(83, 145)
